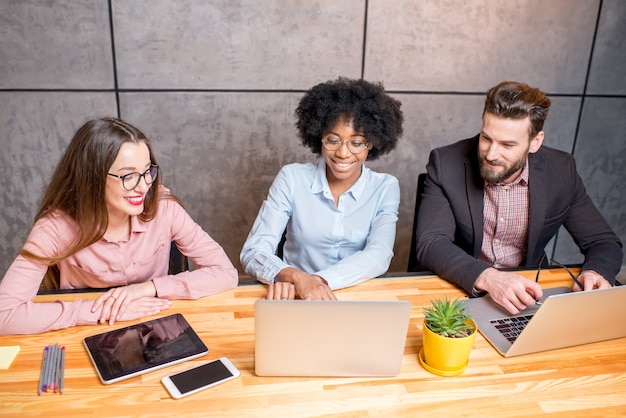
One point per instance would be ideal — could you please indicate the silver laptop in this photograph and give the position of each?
(562, 319)
(330, 338)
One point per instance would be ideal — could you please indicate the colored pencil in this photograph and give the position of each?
(46, 381)
(62, 378)
(44, 360)
(49, 367)
(55, 368)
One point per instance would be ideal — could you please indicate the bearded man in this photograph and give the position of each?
(494, 201)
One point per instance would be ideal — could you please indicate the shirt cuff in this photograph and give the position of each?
(478, 293)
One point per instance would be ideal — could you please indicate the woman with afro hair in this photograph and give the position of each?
(339, 217)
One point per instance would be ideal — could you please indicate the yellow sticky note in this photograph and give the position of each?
(7, 355)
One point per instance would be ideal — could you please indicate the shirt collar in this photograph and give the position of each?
(522, 179)
(136, 225)
(320, 181)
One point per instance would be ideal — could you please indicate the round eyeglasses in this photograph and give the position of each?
(355, 146)
(131, 180)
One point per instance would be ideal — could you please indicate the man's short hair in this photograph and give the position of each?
(514, 100)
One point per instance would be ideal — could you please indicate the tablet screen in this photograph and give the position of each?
(140, 348)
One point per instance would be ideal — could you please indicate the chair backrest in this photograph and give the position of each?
(413, 264)
(281, 245)
(178, 261)
(52, 279)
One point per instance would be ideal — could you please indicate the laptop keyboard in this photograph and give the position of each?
(510, 328)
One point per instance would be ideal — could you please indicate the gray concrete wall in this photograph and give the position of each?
(215, 84)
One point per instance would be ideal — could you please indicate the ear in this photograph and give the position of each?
(536, 143)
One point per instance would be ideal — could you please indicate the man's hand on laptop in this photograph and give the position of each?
(591, 280)
(512, 291)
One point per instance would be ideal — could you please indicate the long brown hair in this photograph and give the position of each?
(77, 187)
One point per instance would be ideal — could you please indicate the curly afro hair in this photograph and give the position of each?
(372, 111)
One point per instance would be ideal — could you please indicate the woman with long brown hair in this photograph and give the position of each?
(105, 221)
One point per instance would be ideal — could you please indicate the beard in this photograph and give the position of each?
(492, 175)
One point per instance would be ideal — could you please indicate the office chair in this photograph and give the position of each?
(178, 261)
(413, 264)
(281, 244)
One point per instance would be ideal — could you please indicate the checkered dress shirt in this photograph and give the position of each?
(505, 222)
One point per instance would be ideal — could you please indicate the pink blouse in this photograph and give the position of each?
(143, 256)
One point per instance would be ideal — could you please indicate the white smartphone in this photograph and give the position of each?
(200, 377)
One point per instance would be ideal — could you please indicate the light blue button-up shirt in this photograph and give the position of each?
(345, 244)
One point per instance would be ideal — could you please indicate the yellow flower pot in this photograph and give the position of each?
(446, 356)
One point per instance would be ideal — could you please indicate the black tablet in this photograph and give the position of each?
(144, 347)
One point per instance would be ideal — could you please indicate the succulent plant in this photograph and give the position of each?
(448, 318)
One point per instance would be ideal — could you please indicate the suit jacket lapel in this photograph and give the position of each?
(537, 201)
(474, 186)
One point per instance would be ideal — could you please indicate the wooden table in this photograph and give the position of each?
(588, 380)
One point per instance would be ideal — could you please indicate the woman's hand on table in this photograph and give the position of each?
(129, 302)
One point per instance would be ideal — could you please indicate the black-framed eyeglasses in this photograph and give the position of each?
(574, 278)
(355, 146)
(131, 180)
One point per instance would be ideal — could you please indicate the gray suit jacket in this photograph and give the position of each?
(450, 217)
